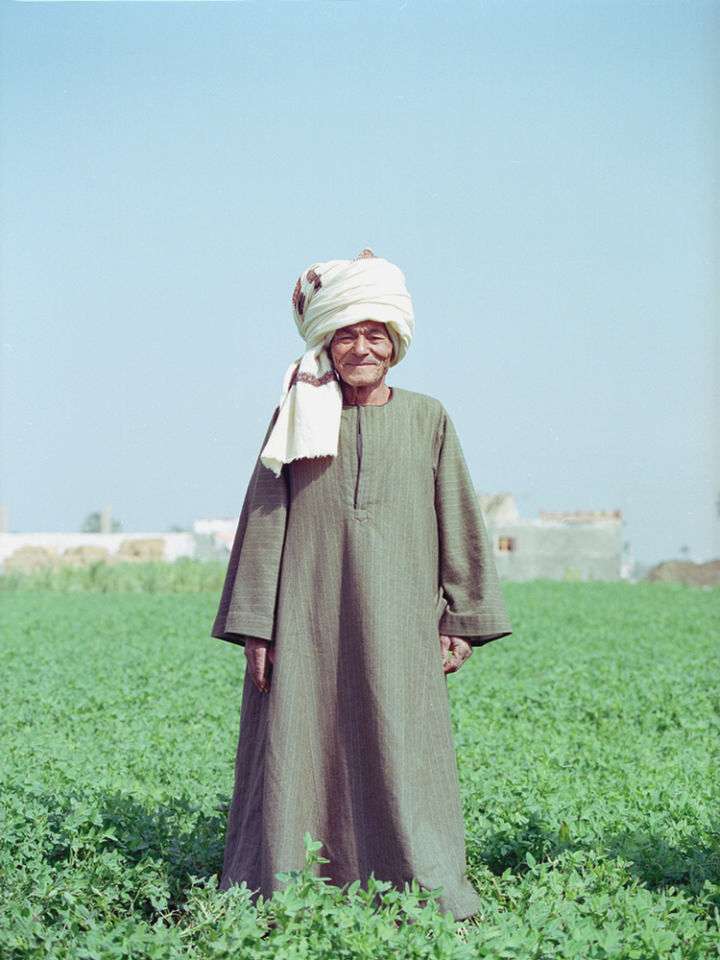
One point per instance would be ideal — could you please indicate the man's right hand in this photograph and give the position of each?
(260, 655)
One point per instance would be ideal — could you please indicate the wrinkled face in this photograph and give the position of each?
(362, 353)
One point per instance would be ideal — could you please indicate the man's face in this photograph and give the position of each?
(362, 353)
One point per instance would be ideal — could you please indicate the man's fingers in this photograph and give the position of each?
(259, 655)
(444, 650)
(260, 670)
(455, 652)
(452, 662)
(463, 651)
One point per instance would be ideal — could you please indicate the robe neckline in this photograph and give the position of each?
(354, 406)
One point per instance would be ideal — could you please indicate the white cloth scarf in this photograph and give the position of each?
(327, 297)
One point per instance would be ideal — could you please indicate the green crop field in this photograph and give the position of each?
(589, 755)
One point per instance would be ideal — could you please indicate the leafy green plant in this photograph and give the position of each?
(588, 747)
(184, 575)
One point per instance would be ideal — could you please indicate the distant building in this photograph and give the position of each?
(214, 536)
(556, 546)
(38, 551)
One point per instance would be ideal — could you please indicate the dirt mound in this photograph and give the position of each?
(140, 551)
(84, 556)
(29, 559)
(685, 571)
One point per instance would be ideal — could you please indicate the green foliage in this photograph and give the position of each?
(588, 748)
(312, 919)
(185, 575)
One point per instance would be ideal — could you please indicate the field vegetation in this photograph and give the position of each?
(589, 755)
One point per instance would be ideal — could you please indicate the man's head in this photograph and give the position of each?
(342, 293)
(362, 353)
(355, 316)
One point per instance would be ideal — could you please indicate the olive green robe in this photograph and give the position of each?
(353, 566)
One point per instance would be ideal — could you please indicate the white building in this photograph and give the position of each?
(556, 546)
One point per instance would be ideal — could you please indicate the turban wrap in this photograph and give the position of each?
(327, 297)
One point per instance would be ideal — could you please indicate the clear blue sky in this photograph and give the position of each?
(545, 173)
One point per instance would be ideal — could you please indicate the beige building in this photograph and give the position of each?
(556, 546)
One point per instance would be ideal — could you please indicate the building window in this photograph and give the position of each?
(506, 544)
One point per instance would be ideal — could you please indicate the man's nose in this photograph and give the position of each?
(361, 345)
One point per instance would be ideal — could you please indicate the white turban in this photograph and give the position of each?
(327, 297)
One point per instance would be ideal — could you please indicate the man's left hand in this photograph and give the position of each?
(455, 651)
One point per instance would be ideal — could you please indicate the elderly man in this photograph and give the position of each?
(359, 576)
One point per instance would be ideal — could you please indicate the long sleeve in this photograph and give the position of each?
(475, 608)
(247, 605)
